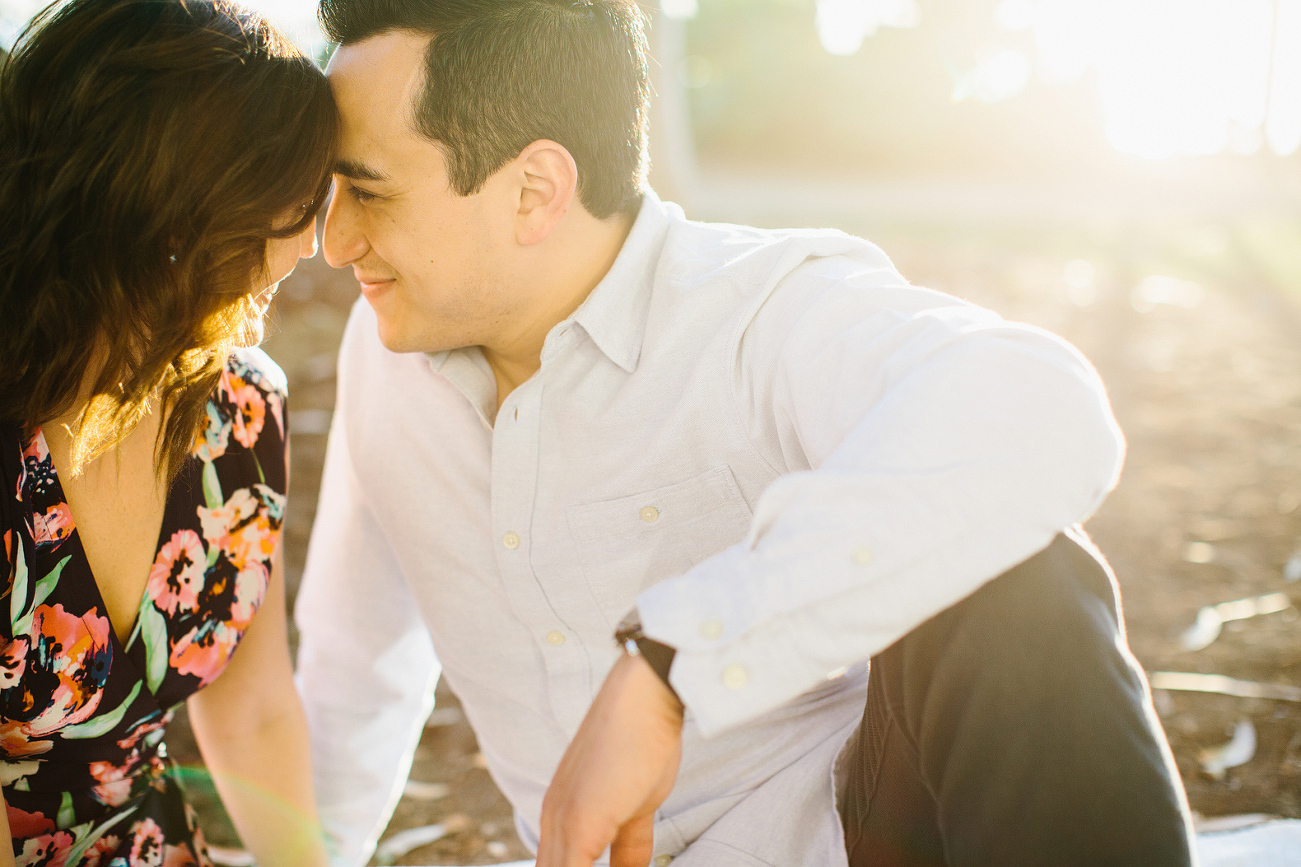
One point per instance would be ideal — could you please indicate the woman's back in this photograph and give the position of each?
(116, 504)
(84, 705)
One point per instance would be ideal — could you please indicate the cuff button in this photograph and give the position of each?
(711, 629)
(735, 676)
(663, 860)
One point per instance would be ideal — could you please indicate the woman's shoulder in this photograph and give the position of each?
(248, 406)
(254, 367)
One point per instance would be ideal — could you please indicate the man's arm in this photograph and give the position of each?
(932, 449)
(632, 739)
(366, 667)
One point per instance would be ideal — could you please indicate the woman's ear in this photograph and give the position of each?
(548, 181)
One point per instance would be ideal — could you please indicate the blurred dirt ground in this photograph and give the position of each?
(1204, 370)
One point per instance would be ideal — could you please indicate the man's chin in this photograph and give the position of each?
(395, 338)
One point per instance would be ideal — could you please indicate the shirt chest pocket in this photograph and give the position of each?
(631, 543)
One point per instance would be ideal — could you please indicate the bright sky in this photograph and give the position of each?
(1174, 76)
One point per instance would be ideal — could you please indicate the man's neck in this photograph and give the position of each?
(576, 264)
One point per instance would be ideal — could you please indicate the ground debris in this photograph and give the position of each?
(1210, 619)
(413, 838)
(1292, 569)
(1240, 749)
(1193, 682)
(425, 791)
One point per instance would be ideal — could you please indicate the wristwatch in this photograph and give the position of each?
(634, 642)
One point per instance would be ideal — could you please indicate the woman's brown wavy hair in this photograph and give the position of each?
(148, 151)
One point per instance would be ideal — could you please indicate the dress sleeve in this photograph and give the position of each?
(269, 417)
(366, 665)
(928, 445)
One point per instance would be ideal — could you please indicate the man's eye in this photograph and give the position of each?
(361, 195)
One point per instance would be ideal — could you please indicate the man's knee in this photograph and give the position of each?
(1023, 701)
(1052, 619)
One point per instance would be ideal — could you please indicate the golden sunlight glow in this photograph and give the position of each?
(1178, 76)
(844, 24)
(1283, 122)
(681, 10)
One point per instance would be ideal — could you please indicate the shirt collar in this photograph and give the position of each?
(614, 314)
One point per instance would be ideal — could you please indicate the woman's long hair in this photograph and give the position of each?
(148, 151)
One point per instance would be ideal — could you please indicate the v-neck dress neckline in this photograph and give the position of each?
(85, 774)
(74, 533)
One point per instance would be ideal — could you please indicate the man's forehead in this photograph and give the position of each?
(375, 84)
(379, 77)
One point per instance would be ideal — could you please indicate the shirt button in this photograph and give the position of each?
(511, 540)
(663, 860)
(555, 638)
(711, 629)
(650, 514)
(735, 676)
(862, 555)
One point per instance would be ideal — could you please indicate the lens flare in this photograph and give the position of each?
(843, 25)
(1283, 122)
(1176, 77)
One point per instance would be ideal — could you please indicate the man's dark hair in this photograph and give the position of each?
(501, 74)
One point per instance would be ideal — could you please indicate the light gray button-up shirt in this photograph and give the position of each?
(782, 453)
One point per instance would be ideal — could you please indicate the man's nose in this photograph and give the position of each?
(342, 240)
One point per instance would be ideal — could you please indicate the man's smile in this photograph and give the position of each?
(373, 285)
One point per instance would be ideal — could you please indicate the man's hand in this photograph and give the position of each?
(617, 771)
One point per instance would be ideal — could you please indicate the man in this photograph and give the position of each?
(561, 403)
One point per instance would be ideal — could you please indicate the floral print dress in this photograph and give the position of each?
(84, 770)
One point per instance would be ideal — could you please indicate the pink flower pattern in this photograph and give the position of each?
(52, 527)
(13, 662)
(75, 650)
(205, 649)
(250, 408)
(105, 845)
(47, 850)
(177, 575)
(244, 527)
(146, 844)
(62, 675)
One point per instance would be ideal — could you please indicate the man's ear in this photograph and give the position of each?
(548, 179)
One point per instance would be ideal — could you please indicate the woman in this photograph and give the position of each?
(161, 165)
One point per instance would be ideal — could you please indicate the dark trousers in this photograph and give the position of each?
(1015, 728)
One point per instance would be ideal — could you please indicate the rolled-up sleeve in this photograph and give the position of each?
(926, 447)
(366, 666)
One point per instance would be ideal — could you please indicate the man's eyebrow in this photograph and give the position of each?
(356, 171)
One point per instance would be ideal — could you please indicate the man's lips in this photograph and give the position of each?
(371, 285)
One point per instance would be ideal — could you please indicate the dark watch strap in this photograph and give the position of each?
(657, 654)
(660, 656)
